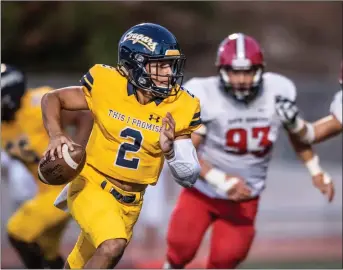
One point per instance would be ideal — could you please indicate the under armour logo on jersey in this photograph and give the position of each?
(157, 119)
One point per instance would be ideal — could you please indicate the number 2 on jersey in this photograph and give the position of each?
(237, 138)
(129, 147)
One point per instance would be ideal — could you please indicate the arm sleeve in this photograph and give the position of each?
(184, 167)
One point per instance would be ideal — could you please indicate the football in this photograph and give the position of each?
(62, 170)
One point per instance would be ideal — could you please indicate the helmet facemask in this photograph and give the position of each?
(242, 94)
(153, 79)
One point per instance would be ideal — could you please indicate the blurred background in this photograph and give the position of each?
(57, 42)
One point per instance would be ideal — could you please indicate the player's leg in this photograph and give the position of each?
(107, 224)
(152, 218)
(30, 221)
(29, 253)
(189, 222)
(50, 242)
(81, 253)
(232, 238)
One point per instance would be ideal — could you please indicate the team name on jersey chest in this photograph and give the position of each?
(250, 120)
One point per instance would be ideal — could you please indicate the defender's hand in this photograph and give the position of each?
(323, 182)
(240, 190)
(55, 145)
(287, 110)
(167, 134)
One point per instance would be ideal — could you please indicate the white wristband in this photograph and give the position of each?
(297, 126)
(313, 166)
(309, 136)
(219, 180)
(327, 178)
(215, 177)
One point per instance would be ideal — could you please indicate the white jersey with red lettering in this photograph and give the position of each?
(336, 106)
(240, 136)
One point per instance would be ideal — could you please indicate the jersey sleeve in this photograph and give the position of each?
(195, 86)
(290, 90)
(283, 86)
(336, 106)
(193, 121)
(196, 121)
(88, 83)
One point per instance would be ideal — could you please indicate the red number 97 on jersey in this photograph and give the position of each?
(237, 140)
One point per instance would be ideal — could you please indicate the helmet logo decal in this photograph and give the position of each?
(141, 39)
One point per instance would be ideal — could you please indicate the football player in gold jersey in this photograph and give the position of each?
(142, 115)
(36, 227)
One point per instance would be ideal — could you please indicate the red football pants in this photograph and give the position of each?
(232, 234)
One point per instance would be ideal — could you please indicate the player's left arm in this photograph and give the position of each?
(179, 150)
(323, 129)
(82, 121)
(320, 178)
(288, 113)
(307, 132)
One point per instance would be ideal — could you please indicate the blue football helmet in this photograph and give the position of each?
(13, 87)
(148, 43)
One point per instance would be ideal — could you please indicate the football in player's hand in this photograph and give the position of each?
(62, 170)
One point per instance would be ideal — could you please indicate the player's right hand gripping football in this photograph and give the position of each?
(55, 146)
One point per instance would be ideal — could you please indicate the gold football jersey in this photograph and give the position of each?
(25, 138)
(124, 143)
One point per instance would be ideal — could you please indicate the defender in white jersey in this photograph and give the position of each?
(318, 131)
(234, 148)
